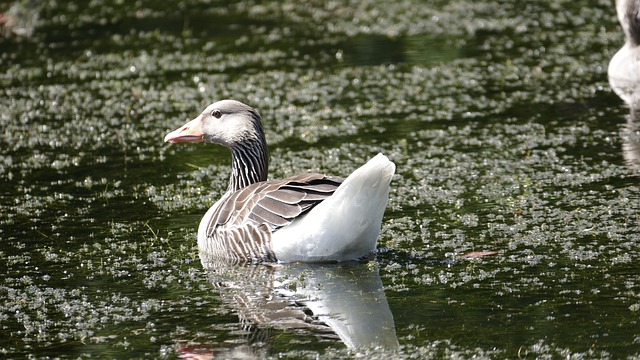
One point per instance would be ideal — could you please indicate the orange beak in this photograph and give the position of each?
(189, 132)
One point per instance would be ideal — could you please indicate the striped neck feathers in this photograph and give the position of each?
(249, 163)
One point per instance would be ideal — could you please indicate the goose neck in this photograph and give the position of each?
(250, 163)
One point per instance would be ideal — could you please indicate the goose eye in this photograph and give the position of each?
(216, 113)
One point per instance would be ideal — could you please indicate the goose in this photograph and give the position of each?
(624, 67)
(303, 218)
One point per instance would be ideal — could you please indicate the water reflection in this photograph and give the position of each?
(631, 140)
(343, 301)
(624, 78)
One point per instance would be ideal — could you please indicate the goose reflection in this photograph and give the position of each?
(343, 301)
(631, 140)
(624, 78)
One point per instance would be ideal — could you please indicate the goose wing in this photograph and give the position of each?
(273, 204)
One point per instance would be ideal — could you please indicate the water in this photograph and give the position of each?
(508, 143)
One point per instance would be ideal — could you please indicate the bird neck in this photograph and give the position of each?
(249, 163)
(631, 23)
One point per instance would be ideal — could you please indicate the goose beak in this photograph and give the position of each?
(189, 132)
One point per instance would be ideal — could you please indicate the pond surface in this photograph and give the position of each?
(513, 226)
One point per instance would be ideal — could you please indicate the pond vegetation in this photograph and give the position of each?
(513, 227)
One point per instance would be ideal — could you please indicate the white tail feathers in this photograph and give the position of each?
(346, 225)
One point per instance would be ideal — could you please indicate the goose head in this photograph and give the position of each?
(227, 122)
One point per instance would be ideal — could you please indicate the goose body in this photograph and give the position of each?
(624, 67)
(307, 218)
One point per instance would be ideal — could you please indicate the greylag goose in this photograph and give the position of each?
(305, 218)
(624, 67)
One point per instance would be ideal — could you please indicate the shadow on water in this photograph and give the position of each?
(416, 49)
(330, 302)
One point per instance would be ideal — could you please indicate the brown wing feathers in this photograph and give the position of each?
(276, 203)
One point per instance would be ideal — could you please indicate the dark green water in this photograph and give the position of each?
(498, 115)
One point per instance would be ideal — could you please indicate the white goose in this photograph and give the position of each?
(307, 218)
(624, 67)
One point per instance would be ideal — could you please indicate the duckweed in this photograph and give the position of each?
(513, 223)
